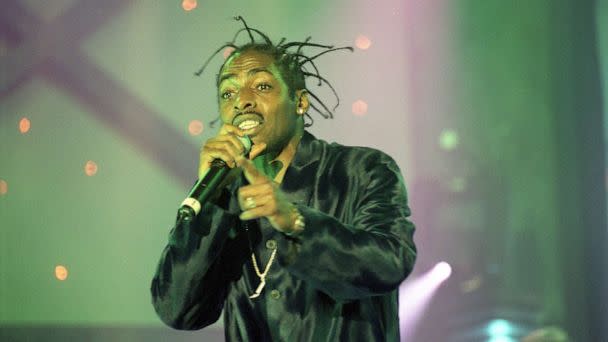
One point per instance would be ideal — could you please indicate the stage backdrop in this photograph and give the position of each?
(492, 110)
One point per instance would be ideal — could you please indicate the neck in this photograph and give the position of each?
(283, 158)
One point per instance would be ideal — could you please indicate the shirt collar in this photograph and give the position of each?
(307, 152)
(299, 180)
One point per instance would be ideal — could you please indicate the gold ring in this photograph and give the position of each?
(249, 203)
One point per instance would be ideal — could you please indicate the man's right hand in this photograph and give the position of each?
(225, 146)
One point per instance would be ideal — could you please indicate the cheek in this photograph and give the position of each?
(224, 108)
(225, 118)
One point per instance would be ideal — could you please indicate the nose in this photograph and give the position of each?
(244, 101)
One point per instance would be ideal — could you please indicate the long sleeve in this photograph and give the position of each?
(200, 259)
(337, 280)
(369, 249)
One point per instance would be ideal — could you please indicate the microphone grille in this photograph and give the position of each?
(246, 141)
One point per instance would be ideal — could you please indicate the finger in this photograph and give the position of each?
(236, 142)
(257, 212)
(248, 203)
(222, 153)
(211, 152)
(254, 190)
(230, 142)
(230, 129)
(251, 173)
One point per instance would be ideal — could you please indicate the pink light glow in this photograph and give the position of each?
(363, 42)
(3, 187)
(189, 5)
(441, 271)
(195, 127)
(227, 51)
(359, 108)
(61, 272)
(90, 168)
(415, 294)
(24, 125)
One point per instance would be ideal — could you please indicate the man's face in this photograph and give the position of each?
(254, 97)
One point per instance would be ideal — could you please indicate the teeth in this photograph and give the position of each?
(248, 124)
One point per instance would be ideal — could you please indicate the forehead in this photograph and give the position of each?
(249, 60)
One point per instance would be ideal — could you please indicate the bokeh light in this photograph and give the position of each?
(458, 184)
(24, 125)
(441, 271)
(3, 187)
(415, 295)
(61, 272)
(359, 108)
(472, 284)
(363, 42)
(90, 168)
(502, 339)
(195, 127)
(448, 139)
(227, 51)
(189, 5)
(499, 327)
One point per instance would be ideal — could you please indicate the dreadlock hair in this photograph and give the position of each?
(291, 64)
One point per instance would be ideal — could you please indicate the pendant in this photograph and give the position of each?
(258, 291)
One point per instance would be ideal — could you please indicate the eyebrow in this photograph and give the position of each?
(249, 73)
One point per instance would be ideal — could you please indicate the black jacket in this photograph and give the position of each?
(337, 281)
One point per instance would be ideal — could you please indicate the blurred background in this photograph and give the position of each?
(492, 109)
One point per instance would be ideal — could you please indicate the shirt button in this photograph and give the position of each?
(275, 294)
(271, 244)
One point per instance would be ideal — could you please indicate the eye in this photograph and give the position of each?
(226, 94)
(264, 86)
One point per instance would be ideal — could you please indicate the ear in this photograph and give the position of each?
(302, 103)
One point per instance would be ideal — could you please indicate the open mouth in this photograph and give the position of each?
(249, 123)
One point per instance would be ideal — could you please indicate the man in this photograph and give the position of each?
(309, 243)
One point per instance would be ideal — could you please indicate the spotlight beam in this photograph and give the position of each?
(416, 294)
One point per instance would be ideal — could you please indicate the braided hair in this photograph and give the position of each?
(291, 62)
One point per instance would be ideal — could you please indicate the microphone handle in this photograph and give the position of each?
(204, 188)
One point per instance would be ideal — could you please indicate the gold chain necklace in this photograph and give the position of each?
(275, 168)
(262, 276)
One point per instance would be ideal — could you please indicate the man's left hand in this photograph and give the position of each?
(263, 198)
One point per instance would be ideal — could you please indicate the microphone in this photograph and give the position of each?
(206, 185)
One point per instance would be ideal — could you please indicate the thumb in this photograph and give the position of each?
(256, 150)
